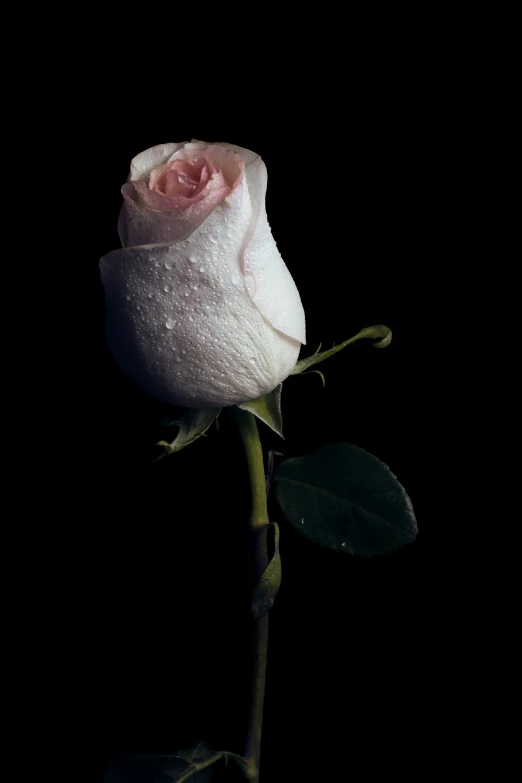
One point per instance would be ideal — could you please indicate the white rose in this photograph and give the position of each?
(201, 309)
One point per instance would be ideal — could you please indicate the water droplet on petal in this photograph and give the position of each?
(252, 360)
(168, 288)
(193, 259)
(235, 279)
(168, 264)
(169, 323)
(201, 268)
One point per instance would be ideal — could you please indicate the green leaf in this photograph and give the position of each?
(195, 764)
(374, 332)
(193, 424)
(269, 584)
(268, 409)
(346, 499)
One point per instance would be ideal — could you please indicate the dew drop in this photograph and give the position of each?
(191, 318)
(193, 259)
(252, 360)
(207, 307)
(201, 268)
(168, 288)
(170, 324)
(235, 279)
(152, 294)
(168, 264)
(187, 293)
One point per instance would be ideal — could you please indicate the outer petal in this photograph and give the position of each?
(247, 156)
(268, 280)
(181, 323)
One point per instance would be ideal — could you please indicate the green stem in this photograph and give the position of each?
(259, 525)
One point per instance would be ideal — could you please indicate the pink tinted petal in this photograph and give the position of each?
(204, 177)
(141, 225)
(150, 159)
(177, 178)
(227, 159)
(162, 202)
(190, 151)
(156, 175)
(176, 184)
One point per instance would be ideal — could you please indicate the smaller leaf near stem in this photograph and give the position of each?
(193, 425)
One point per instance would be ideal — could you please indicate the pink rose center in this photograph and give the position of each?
(193, 176)
(182, 177)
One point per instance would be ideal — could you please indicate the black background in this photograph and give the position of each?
(160, 550)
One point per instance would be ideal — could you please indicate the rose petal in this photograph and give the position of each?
(227, 159)
(279, 303)
(150, 159)
(162, 202)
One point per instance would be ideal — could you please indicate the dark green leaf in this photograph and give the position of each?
(346, 499)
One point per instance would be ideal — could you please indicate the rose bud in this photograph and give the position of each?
(201, 309)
